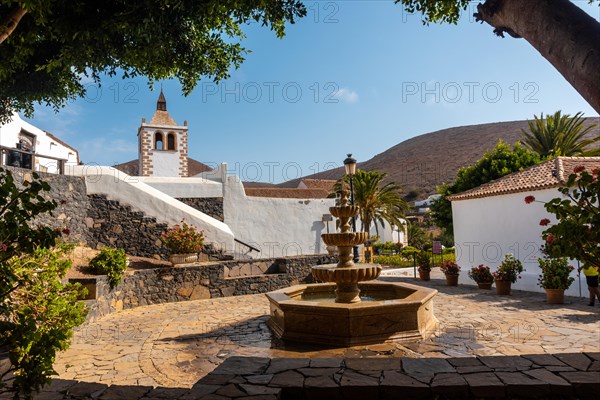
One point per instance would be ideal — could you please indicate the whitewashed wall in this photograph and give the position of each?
(486, 229)
(9, 136)
(278, 227)
(184, 187)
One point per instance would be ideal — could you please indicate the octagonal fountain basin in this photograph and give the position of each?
(388, 311)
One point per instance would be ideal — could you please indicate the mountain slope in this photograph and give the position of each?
(423, 162)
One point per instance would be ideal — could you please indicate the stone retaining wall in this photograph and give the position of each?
(537, 376)
(210, 280)
(69, 193)
(112, 224)
(212, 206)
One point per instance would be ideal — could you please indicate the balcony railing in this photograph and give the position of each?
(19, 158)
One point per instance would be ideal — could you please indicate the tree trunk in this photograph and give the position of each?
(563, 33)
(10, 23)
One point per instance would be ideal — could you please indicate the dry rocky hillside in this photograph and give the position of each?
(422, 162)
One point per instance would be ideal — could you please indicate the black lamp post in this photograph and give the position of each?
(350, 167)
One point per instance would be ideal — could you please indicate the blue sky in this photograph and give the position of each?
(362, 73)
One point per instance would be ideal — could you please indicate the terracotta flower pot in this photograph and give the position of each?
(451, 280)
(555, 296)
(486, 286)
(183, 258)
(424, 275)
(503, 287)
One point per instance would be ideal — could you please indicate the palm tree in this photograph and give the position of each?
(559, 135)
(377, 202)
(416, 236)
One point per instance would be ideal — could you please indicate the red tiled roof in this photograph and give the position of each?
(548, 174)
(324, 184)
(162, 118)
(286, 193)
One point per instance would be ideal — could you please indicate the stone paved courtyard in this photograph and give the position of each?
(174, 345)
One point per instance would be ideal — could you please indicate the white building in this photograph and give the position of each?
(493, 220)
(48, 151)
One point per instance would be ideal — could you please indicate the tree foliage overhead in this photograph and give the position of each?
(559, 135)
(503, 160)
(562, 32)
(46, 46)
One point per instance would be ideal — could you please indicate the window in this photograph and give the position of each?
(158, 141)
(171, 141)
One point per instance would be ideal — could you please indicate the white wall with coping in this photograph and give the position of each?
(278, 227)
(9, 136)
(218, 174)
(485, 229)
(184, 187)
(164, 162)
(117, 185)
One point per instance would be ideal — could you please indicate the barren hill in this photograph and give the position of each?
(424, 161)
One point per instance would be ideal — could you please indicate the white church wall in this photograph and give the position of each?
(165, 163)
(485, 229)
(278, 227)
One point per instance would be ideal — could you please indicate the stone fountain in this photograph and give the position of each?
(334, 313)
(346, 274)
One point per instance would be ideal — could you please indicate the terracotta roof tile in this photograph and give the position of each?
(548, 174)
(162, 118)
(325, 184)
(287, 193)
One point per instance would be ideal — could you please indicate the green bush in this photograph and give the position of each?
(555, 273)
(379, 248)
(396, 261)
(112, 263)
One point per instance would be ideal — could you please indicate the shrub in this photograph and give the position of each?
(450, 268)
(379, 248)
(509, 270)
(183, 239)
(555, 273)
(481, 274)
(424, 261)
(112, 263)
(42, 314)
(37, 311)
(396, 260)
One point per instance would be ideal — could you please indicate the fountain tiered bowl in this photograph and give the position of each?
(349, 308)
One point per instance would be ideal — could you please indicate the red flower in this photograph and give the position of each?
(550, 239)
(544, 222)
(596, 171)
(578, 169)
(529, 199)
(66, 231)
(3, 247)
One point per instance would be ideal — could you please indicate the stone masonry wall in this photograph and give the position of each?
(164, 285)
(69, 192)
(112, 224)
(212, 206)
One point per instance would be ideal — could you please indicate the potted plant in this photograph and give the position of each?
(482, 276)
(451, 270)
(424, 262)
(555, 278)
(507, 273)
(184, 242)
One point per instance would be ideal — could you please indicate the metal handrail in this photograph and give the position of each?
(246, 244)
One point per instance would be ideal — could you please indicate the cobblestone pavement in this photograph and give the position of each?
(174, 345)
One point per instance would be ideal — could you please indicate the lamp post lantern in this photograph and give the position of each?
(350, 167)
